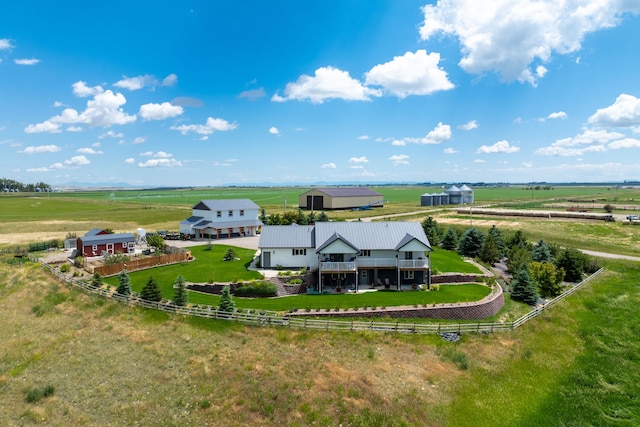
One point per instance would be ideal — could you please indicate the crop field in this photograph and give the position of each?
(95, 362)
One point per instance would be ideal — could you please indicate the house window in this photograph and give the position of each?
(408, 255)
(230, 213)
(124, 244)
(364, 274)
(408, 275)
(219, 214)
(365, 252)
(94, 248)
(298, 251)
(241, 212)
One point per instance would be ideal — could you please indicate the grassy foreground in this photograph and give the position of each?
(107, 364)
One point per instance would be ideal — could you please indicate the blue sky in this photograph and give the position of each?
(207, 93)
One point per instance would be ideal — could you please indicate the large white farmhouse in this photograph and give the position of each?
(351, 255)
(222, 218)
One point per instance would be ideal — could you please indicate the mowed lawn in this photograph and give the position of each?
(208, 267)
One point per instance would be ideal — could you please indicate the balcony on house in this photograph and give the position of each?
(368, 262)
(413, 264)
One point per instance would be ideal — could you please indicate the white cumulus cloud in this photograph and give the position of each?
(362, 159)
(212, 125)
(499, 147)
(27, 61)
(399, 159)
(328, 166)
(411, 74)
(159, 111)
(130, 160)
(438, 135)
(160, 163)
(89, 150)
(625, 143)
(41, 149)
(449, 150)
(170, 80)
(470, 125)
(327, 83)
(5, 44)
(136, 83)
(622, 113)
(103, 110)
(81, 90)
(513, 38)
(274, 130)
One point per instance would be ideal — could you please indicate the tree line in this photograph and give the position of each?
(537, 269)
(10, 186)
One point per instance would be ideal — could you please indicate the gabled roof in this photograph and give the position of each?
(372, 235)
(287, 236)
(408, 238)
(348, 192)
(95, 232)
(335, 237)
(225, 204)
(107, 238)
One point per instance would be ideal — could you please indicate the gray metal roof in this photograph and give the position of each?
(287, 236)
(192, 220)
(371, 235)
(348, 192)
(227, 224)
(108, 238)
(225, 204)
(333, 238)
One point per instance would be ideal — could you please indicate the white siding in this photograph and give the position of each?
(285, 258)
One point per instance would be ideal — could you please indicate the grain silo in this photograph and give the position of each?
(467, 194)
(455, 195)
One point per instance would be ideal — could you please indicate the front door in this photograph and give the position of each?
(266, 259)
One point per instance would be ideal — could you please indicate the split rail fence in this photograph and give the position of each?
(263, 318)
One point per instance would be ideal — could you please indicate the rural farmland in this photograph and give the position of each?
(547, 373)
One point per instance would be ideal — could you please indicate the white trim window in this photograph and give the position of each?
(295, 252)
(408, 274)
(365, 252)
(94, 248)
(241, 212)
(230, 214)
(218, 214)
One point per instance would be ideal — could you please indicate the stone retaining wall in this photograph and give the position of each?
(486, 307)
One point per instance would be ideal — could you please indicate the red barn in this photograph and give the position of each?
(97, 244)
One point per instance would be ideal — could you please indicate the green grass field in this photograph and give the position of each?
(576, 365)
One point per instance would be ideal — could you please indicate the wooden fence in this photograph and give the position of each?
(264, 318)
(142, 263)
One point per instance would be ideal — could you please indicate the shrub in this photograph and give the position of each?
(295, 282)
(257, 289)
(78, 262)
(230, 255)
(124, 283)
(36, 394)
(65, 268)
(226, 300)
(151, 291)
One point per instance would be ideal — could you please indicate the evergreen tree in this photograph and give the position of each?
(548, 278)
(523, 288)
(230, 255)
(450, 240)
(263, 216)
(180, 296)
(312, 217)
(518, 240)
(226, 300)
(151, 291)
(96, 280)
(471, 242)
(432, 230)
(519, 258)
(573, 262)
(490, 253)
(124, 287)
(322, 217)
(302, 218)
(541, 252)
(498, 238)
